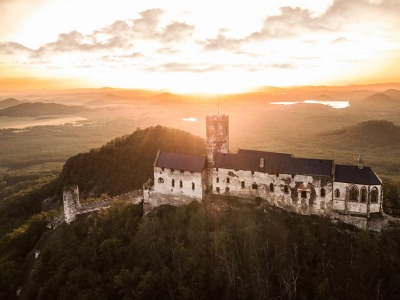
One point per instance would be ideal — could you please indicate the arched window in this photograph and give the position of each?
(271, 187)
(180, 183)
(254, 186)
(160, 180)
(217, 189)
(226, 190)
(286, 189)
(363, 194)
(337, 193)
(374, 195)
(192, 185)
(173, 182)
(353, 193)
(322, 192)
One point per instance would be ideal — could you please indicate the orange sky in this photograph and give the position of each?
(197, 46)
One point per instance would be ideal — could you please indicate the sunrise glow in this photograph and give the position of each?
(197, 47)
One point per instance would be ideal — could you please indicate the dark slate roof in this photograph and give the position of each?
(249, 160)
(185, 162)
(259, 154)
(311, 166)
(352, 174)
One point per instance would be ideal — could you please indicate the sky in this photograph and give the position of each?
(186, 46)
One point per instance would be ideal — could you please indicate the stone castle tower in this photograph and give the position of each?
(217, 133)
(71, 202)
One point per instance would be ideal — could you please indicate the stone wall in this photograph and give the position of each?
(185, 183)
(217, 133)
(300, 193)
(73, 207)
(342, 203)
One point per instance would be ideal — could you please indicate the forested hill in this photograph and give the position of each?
(39, 109)
(125, 163)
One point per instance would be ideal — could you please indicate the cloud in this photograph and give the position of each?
(355, 15)
(184, 67)
(10, 48)
(146, 26)
(119, 35)
(221, 42)
(176, 31)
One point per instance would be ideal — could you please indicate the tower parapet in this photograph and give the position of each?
(217, 133)
(71, 202)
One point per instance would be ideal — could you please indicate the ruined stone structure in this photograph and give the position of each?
(217, 136)
(352, 194)
(73, 207)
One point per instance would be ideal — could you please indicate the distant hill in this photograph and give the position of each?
(380, 99)
(39, 109)
(108, 99)
(375, 132)
(9, 102)
(125, 163)
(393, 93)
(324, 97)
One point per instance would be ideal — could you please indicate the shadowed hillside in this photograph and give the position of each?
(376, 132)
(39, 109)
(125, 163)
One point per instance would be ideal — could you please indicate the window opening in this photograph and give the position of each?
(271, 187)
(353, 193)
(374, 195)
(363, 194)
(286, 189)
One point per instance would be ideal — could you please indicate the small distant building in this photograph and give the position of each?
(180, 174)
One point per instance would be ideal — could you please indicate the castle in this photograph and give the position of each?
(349, 193)
(352, 194)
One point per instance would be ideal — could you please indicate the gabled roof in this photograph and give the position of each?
(249, 160)
(177, 161)
(352, 174)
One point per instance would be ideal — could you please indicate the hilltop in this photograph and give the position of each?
(125, 163)
(9, 102)
(39, 109)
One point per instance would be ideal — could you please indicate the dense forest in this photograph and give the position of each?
(224, 248)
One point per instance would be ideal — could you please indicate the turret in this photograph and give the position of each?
(217, 132)
(71, 202)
